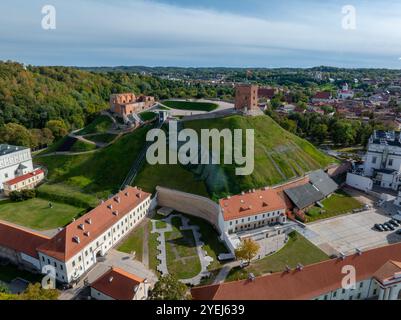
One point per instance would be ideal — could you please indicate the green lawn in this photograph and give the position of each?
(10, 272)
(297, 250)
(171, 176)
(102, 137)
(134, 243)
(182, 257)
(99, 173)
(147, 116)
(37, 214)
(190, 105)
(152, 248)
(100, 125)
(339, 203)
(81, 146)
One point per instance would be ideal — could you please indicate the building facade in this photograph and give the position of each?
(75, 249)
(14, 161)
(127, 104)
(383, 159)
(259, 215)
(26, 181)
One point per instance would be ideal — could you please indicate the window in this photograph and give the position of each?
(374, 159)
(390, 162)
(335, 294)
(73, 263)
(361, 285)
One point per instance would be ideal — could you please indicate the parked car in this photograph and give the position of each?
(398, 232)
(394, 223)
(385, 227)
(390, 226)
(379, 227)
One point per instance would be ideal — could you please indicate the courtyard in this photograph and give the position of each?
(347, 233)
(186, 247)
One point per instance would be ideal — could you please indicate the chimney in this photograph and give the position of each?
(117, 199)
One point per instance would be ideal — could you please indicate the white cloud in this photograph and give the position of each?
(148, 28)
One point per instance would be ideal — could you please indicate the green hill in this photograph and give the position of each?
(279, 156)
(99, 173)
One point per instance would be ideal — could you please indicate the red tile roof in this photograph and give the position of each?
(24, 177)
(387, 271)
(323, 95)
(313, 281)
(251, 203)
(63, 246)
(21, 240)
(118, 284)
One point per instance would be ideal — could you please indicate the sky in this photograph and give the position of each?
(204, 33)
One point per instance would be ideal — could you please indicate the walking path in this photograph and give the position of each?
(204, 259)
(222, 275)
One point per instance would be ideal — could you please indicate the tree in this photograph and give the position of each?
(15, 134)
(169, 288)
(247, 250)
(36, 292)
(57, 127)
(319, 132)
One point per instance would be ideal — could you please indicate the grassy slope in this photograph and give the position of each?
(81, 146)
(297, 250)
(100, 125)
(99, 173)
(147, 116)
(292, 154)
(102, 137)
(190, 105)
(37, 214)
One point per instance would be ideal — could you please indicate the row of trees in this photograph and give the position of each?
(319, 128)
(17, 134)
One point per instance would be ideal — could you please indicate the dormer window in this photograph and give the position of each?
(88, 221)
(81, 226)
(110, 206)
(87, 234)
(76, 239)
(115, 212)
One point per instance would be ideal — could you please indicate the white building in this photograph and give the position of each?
(383, 159)
(76, 248)
(345, 93)
(14, 161)
(257, 214)
(26, 181)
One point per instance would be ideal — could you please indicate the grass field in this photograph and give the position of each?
(339, 203)
(99, 173)
(102, 137)
(81, 146)
(37, 214)
(190, 105)
(134, 243)
(297, 250)
(100, 125)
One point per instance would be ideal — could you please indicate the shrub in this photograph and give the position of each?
(23, 195)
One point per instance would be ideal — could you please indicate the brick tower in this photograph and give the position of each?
(246, 97)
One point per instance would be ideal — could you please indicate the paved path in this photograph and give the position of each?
(204, 259)
(222, 275)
